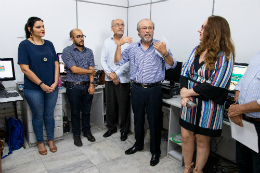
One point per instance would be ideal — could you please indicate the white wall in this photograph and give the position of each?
(110, 2)
(244, 20)
(59, 17)
(179, 21)
(96, 25)
(138, 2)
(135, 14)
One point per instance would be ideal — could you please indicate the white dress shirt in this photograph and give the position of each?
(249, 85)
(107, 61)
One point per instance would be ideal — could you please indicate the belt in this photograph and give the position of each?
(147, 85)
(250, 119)
(80, 83)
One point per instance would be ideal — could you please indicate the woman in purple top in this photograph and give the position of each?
(39, 63)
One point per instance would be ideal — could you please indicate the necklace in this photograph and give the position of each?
(44, 59)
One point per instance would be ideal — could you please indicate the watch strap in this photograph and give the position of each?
(165, 56)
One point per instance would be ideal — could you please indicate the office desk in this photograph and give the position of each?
(97, 109)
(226, 147)
(13, 100)
(172, 108)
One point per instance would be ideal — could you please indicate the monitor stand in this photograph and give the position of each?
(2, 89)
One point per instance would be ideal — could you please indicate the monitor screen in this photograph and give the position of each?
(238, 71)
(63, 69)
(7, 69)
(173, 75)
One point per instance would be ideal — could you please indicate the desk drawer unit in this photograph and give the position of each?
(58, 134)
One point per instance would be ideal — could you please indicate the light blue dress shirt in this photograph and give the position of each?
(108, 58)
(146, 66)
(249, 85)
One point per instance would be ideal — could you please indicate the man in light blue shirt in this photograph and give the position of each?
(247, 107)
(148, 59)
(117, 83)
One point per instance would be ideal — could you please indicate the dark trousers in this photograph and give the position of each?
(79, 100)
(117, 98)
(248, 161)
(149, 100)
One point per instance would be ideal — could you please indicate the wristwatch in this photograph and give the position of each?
(165, 56)
(92, 82)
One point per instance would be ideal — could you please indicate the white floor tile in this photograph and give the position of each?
(68, 162)
(102, 151)
(20, 157)
(35, 167)
(125, 164)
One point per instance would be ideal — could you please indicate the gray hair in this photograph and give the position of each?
(138, 24)
(112, 22)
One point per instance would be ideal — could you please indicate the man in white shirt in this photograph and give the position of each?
(117, 83)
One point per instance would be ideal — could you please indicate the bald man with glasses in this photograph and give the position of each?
(79, 61)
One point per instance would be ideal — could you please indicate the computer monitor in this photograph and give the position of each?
(63, 69)
(238, 71)
(7, 69)
(173, 75)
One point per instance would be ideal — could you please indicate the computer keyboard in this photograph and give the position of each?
(7, 95)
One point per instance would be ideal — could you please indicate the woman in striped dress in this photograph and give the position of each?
(205, 79)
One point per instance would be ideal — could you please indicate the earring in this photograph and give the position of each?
(31, 36)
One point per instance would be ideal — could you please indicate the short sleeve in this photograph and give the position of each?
(23, 55)
(91, 61)
(68, 58)
(53, 51)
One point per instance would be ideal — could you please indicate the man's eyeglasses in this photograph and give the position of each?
(80, 36)
(117, 25)
(145, 28)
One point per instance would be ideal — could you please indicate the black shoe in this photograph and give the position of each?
(123, 136)
(154, 160)
(77, 141)
(132, 150)
(110, 132)
(90, 137)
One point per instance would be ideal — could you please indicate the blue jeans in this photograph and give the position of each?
(248, 161)
(80, 100)
(42, 105)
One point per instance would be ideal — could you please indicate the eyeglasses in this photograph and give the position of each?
(145, 28)
(117, 25)
(80, 36)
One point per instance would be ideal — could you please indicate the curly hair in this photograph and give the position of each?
(216, 38)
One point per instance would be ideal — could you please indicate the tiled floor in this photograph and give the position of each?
(106, 155)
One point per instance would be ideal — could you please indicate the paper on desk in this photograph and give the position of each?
(246, 135)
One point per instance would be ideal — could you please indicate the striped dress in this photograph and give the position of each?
(212, 85)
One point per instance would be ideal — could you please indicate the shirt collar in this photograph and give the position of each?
(112, 38)
(139, 42)
(74, 47)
